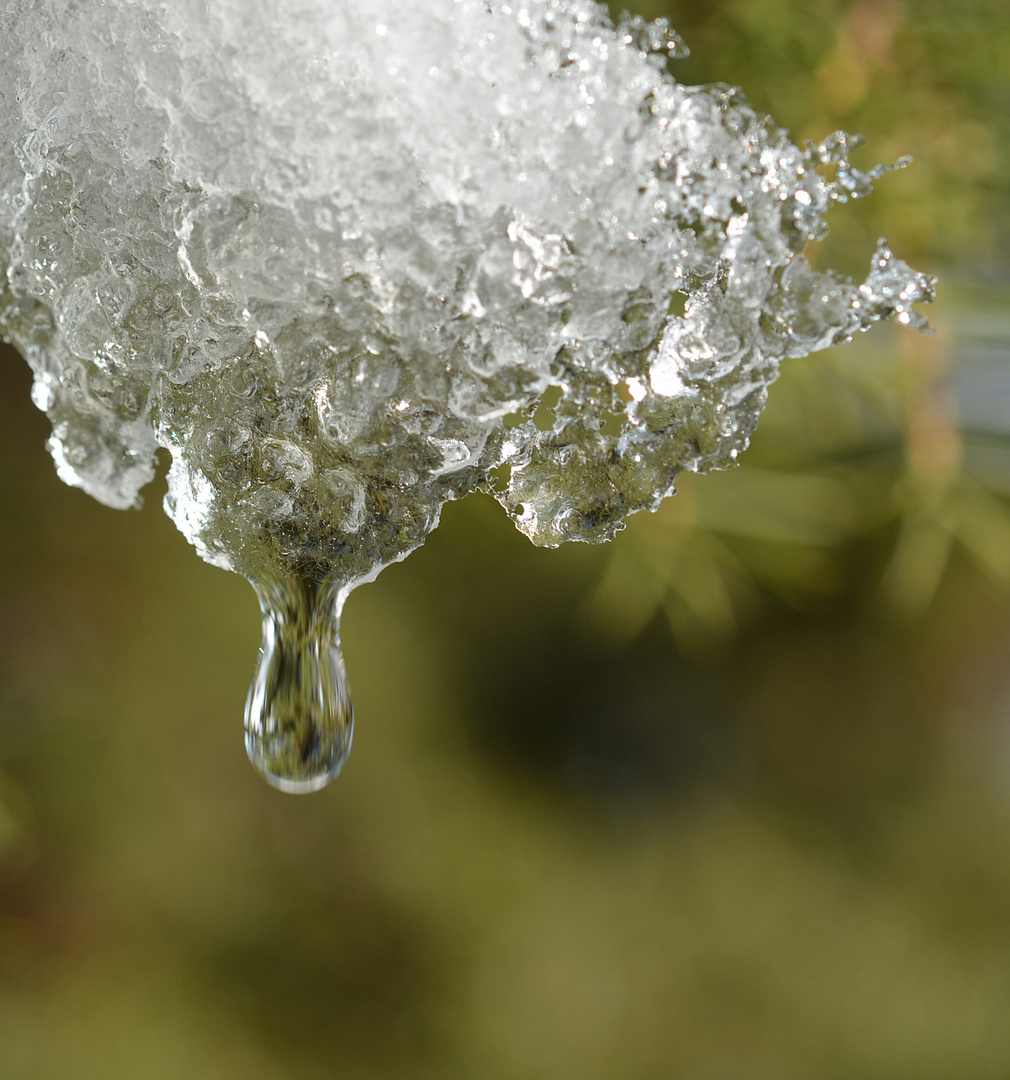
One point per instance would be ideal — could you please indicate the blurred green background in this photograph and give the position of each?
(728, 799)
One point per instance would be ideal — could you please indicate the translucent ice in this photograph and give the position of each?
(334, 258)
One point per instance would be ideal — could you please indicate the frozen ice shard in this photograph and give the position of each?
(320, 252)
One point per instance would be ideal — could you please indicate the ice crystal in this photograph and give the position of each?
(339, 258)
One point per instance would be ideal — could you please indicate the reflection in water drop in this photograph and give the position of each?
(298, 718)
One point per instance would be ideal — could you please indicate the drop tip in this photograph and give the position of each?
(299, 786)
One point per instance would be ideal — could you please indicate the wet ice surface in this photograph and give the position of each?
(339, 259)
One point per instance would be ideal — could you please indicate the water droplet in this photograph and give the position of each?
(298, 718)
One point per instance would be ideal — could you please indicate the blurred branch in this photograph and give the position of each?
(849, 453)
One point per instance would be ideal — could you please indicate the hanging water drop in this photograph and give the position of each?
(299, 720)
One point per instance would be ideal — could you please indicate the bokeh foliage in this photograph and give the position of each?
(724, 799)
